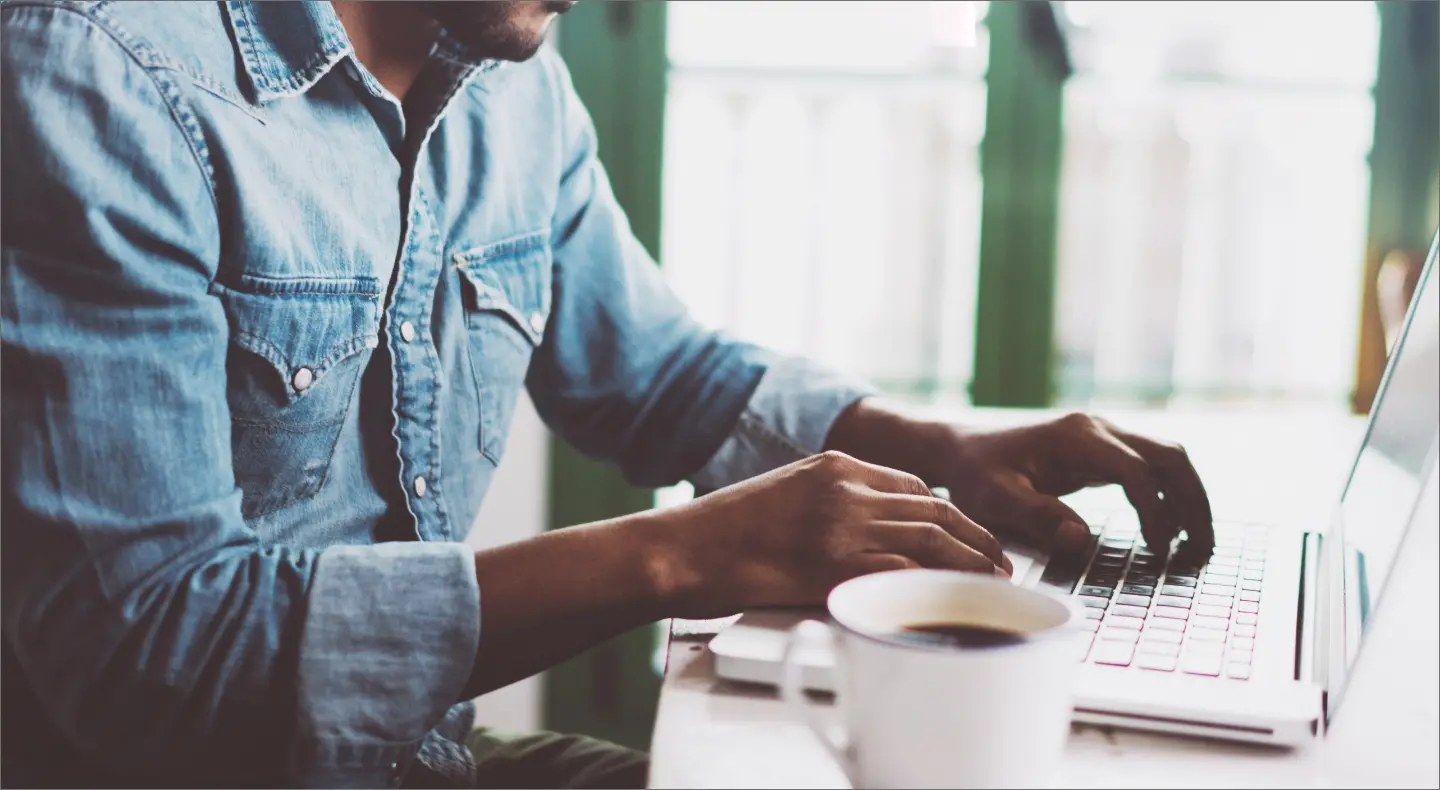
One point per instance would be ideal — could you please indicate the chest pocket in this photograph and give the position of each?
(297, 349)
(507, 305)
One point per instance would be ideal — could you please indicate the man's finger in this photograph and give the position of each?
(1046, 522)
(1188, 503)
(906, 507)
(930, 545)
(1116, 462)
(875, 562)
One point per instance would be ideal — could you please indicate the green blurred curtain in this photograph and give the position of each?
(1020, 170)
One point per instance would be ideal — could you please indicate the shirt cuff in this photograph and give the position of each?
(787, 418)
(389, 643)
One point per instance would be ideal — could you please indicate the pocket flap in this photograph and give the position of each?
(511, 277)
(302, 325)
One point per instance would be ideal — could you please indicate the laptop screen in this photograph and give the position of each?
(1395, 461)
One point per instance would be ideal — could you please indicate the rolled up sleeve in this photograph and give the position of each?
(786, 419)
(154, 631)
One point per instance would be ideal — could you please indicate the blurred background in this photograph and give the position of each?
(1065, 204)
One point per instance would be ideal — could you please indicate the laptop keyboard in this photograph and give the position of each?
(1150, 614)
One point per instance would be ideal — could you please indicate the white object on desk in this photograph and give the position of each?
(928, 715)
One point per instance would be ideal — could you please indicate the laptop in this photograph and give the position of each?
(1256, 644)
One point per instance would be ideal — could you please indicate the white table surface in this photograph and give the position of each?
(1279, 467)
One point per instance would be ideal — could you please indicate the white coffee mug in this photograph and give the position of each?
(918, 715)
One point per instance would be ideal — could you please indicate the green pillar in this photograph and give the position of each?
(1404, 162)
(616, 55)
(1020, 170)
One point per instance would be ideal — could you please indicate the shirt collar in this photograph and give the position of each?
(287, 47)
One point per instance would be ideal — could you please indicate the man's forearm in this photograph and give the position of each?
(545, 599)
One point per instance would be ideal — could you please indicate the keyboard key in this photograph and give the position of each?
(1214, 600)
(1121, 610)
(1093, 624)
(1094, 601)
(1201, 665)
(1242, 642)
(1142, 579)
(1119, 634)
(1249, 595)
(1138, 589)
(1222, 564)
(1153, 637)
(1254, 565)
(1237, 671)
(1246, 618)
(1253, 576)
(1143, 601)
(1095, 590)
(1210, 610)
(1102, 577)
(1180, 581)
(1109, 562)
(1213, 623)
(1201, 647)
(1061, 576)
(1253, 607)
(1248, 584)
(1082, 647)
(1170, 613)
(1203, 635)
(1239, 656)
(1159, 623)
(1092, 613)
(1118, 654)
(1217, 589)
(1180, 592)
(1224, 579)
(1117, 545)
(1229, 550)
(1132, 623)
(1173, 600)
(1156, 662)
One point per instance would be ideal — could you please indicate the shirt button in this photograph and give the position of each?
(407, 331)
(302, 379)
(537, 322)
(420, 486)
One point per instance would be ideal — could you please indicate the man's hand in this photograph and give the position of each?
(1008, 480)
(789, 536)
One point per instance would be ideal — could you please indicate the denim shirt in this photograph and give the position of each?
(263, 336)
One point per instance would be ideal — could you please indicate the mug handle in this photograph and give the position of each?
(811, 634)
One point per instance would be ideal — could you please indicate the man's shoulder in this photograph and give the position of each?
(191, 38)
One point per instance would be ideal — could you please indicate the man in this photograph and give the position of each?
(274, 274)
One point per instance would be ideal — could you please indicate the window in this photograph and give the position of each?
(821, 180)
(1213, 204)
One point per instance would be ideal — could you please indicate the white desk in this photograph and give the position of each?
(1284, 468)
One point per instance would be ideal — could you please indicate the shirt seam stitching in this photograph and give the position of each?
(145, 57)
